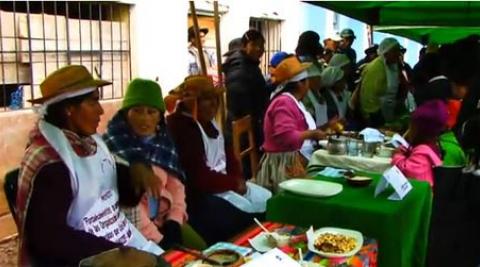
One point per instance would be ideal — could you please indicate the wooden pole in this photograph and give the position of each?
(198, 43)
(219, 62)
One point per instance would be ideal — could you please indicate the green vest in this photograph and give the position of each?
(453, 155)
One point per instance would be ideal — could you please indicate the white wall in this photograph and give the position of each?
(236, 21)
(159, 41)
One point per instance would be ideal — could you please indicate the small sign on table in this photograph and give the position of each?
(397, 180)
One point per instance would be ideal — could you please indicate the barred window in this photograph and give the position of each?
(38, 37)
(271, 30)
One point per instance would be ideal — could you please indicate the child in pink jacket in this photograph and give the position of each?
(427, 123)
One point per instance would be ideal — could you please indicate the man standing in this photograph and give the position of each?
(379, 85)
(348, 37)
(194, 66)
(345, 47)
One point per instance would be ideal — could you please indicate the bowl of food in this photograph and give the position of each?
(358, 181)
(225, 257)
(335, 242)
(278, 240)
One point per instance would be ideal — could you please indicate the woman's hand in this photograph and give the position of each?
(241, 187)
(143, 178)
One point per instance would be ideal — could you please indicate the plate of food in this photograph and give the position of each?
(280, 237)
(334, 242)
(314, 188)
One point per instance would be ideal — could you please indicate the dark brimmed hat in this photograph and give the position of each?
(67, 80)
(347, 33)
(191, 32)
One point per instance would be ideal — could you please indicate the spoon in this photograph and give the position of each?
(261, 226)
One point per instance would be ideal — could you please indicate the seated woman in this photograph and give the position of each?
(289, 129)
(220, 202)
(428, 122)
(138, 134)
(70, 187)
(336, 94)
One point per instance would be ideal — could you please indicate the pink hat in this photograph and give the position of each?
(431, 118)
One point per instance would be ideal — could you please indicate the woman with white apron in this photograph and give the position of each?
(338, 96)
(219, 201)
(69, 190)
(290, 130)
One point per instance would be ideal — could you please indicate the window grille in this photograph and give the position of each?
(38, 37)
(271, 30)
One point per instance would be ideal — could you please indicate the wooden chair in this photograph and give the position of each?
(239, 128)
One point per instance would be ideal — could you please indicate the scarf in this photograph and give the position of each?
(38, 154)
(159, 151)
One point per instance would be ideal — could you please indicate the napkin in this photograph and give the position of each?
(332, 172)
(371, 135)
(398, 140)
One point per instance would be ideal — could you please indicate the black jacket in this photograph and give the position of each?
(246, 92)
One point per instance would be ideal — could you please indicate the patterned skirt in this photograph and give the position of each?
(278, 167)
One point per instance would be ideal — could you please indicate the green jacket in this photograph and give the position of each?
(373, 86)
(453, 155)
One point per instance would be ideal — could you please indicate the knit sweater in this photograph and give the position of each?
(283, 125)
(171, 205)
(417, 162)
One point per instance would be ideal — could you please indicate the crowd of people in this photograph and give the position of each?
(164, 172)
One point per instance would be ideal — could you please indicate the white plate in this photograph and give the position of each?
(312, 188)
(260, 243)
(351, 233)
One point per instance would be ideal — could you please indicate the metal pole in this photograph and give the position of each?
(4, 87)
(80, 30)
(44, 42)
(56, 30)
(30, 49)
(69, 60)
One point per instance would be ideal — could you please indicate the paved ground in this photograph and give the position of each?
(8, 253)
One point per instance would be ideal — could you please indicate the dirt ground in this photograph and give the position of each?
(8, 253)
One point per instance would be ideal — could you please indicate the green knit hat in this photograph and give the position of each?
(143, 92)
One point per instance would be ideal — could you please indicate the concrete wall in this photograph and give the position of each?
(16, 125)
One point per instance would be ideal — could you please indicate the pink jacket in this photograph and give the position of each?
(171, 206)
(283, 124)
(417, 163)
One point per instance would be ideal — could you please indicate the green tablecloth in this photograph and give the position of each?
(401, 227)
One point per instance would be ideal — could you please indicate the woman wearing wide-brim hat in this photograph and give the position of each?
(220, 202)
(70, 187)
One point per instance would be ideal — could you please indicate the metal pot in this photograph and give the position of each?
(337, 145)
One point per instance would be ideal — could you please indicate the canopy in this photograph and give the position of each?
(423, 21)
(433, 34)
(412, 13)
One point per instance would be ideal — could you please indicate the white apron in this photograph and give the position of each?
(255, 199)
(341, 105)
(95, 207)
(307, 148)
(321, 116)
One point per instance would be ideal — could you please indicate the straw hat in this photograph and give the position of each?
(287, 69)
(67, 80)
(199, 86)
